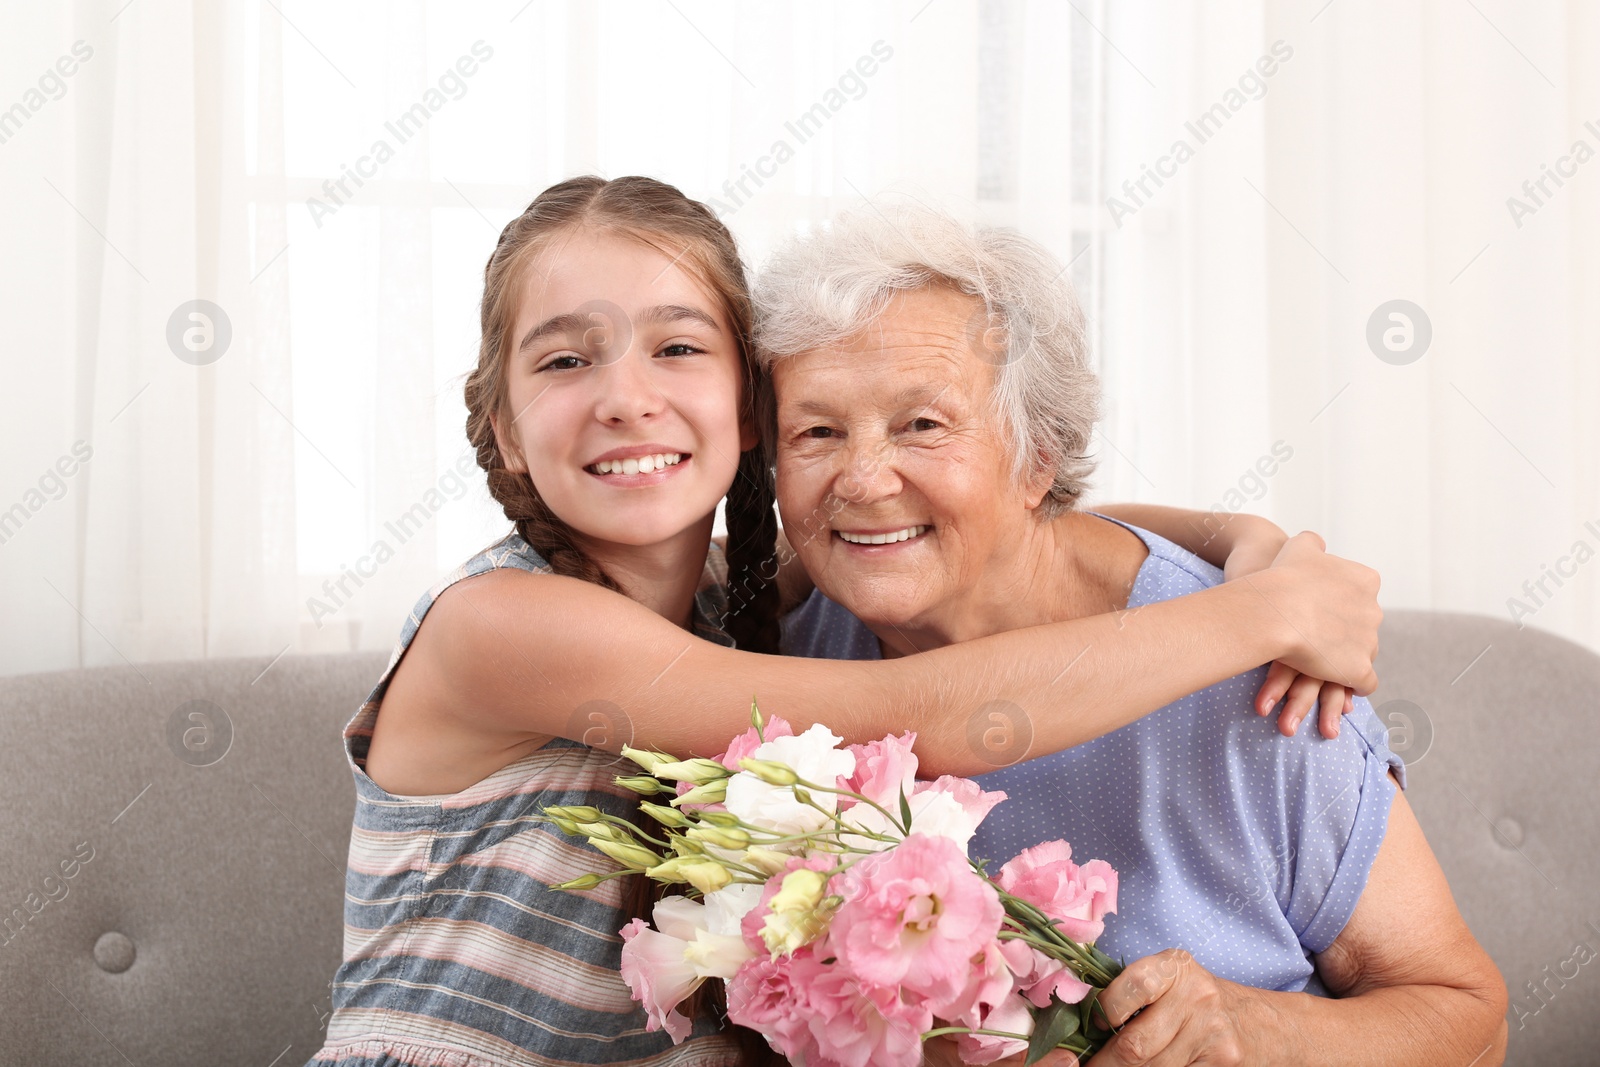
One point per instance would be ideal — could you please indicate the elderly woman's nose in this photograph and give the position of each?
(867, 475)
(626, 389)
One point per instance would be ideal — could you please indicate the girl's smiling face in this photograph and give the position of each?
(623, 386)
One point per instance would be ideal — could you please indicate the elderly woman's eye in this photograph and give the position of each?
(924, 424)
(818, 431)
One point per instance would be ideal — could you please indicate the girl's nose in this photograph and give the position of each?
(627, 391)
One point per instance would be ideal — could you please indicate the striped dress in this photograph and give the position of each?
(456, 951)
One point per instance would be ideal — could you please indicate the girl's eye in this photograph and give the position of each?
(562, 363)
(682, 348)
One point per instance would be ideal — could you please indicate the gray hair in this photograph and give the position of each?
(818, 291)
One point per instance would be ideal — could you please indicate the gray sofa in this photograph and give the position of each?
(174, 836)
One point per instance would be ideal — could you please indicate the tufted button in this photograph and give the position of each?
(1508, 832)
(113, 953)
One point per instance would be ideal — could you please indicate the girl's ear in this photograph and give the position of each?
(509, 452)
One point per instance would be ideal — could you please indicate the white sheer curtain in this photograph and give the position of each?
(332, 178)
(1375, 166)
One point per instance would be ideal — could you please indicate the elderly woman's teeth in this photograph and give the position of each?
(883, 538)
(637, 464)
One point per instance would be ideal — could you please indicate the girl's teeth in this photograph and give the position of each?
(639, 464)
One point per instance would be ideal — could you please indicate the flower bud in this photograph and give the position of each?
(585, 881)
(769, 771)
(642, 784)
(706, 875)
(698, 771)
(663, 814)
(576, 812)
(630, 855)
(646, 759)
(710, 793)
(670, 870)
(797, 913)
(715, 835)
(801, 890)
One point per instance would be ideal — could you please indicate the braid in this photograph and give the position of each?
(752, 619)
(539, 526)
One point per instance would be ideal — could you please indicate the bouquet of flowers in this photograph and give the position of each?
(833, 895)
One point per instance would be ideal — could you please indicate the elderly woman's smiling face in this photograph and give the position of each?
(894, 437)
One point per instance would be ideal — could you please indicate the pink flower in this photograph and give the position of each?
(822, 1015)
(1080, 897)
(989, 982)
(1010, 1015)
(914, 917)
(659, 977)
(883, 770)
(763, 995)
(853, 1024)
(948, 807)
(744, 746)
(966, 794)
(1039, 976)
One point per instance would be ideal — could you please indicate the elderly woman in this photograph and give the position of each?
(1279, 903)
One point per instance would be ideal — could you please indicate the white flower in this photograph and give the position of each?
(727, 907)
(703, 928)
(815, 757)
(949, 807)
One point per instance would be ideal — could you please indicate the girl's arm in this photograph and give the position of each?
(1237, 542)
(509, 656)
(1243, 544)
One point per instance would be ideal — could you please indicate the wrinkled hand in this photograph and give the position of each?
(1300, 692)
(1187, 1015)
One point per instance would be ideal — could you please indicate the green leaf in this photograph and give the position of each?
(905, 811)
(1092, 1029)
(1051, 1026)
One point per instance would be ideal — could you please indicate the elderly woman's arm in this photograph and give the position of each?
(1414, 987)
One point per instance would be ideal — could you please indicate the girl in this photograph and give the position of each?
(613, 406)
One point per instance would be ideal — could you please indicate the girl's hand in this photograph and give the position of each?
(1331, 606)
(1256, 546)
